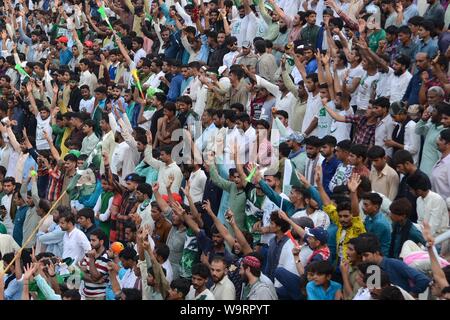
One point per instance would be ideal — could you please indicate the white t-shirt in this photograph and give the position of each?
(324, 121)
(87, 105)
(357, 72)
(384, 83)
(42, 125)
(365, 90)
(313, 106)
(398, 87)
(147, 114)
(341, 130)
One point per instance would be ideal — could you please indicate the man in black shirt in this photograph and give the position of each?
(404, 164)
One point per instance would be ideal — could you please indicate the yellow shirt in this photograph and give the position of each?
(353, 231)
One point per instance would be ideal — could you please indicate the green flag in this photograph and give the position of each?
(19, 68)
(102, 12)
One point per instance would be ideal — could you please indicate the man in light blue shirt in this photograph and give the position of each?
(12, 279)
(427, 44)
(206, 140)
(409, 11)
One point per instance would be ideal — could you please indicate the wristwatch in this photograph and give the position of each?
(297, 261)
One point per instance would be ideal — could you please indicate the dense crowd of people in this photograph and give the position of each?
(224, 150)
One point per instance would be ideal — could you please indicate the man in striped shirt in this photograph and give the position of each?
(95, 268)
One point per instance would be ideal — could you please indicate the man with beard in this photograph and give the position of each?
(216, 51)
(76, 122)
(86, 104)
(129, 201)
(8, 209)
(400, 79)
(75, 242)
(223, 288)
(75, 93)
(330, 162)
(255, 289)
(233, 52)
(96, 115)
(411, 95)
(267, 65)
(405, 165)
(246, 57)
(311, 30)
(210, 246)
(200, 276)
(95, 267)
(313, 145)
(348, 220)
(430, 127)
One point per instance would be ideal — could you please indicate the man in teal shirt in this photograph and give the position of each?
(430, 129)
(376, 222)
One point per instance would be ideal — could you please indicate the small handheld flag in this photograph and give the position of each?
(290, 236)
(251, 175)
(102, 12)
(138, 82)
(19, 68)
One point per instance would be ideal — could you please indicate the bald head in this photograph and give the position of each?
(422, 61)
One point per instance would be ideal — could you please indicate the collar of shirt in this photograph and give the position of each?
(376, 217)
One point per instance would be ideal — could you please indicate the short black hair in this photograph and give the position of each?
(418, 182)
(401, 207)
(344, 145)
(402, 157)
(201, 270)
(145, 188)
(132, 294)
(329, 140)
(382, 102)
(181, 285)
(391, 293)
(445, 135)
(238, 106)
(403, 60)
(68, 216)
(359, 150)
(323, 268)
(367, 242)
(162, 250)
(72, 294)
(101, 235)
(128, 254)
(376, 152)
(313, 141)
(283, 224)
(88, 213)
(373, 197)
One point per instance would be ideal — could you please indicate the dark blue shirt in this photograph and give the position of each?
(412, 91)
(19, 219)
(402, 275)
(273, 256)
(175, 49)
(175, 88)
(329, 169)
(206, 245)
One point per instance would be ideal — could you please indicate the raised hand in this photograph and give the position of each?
(282, 215)
(303, 179)
(207, 206)
(354, 182)
(427, 235)
(149, 137)
(318, 175)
